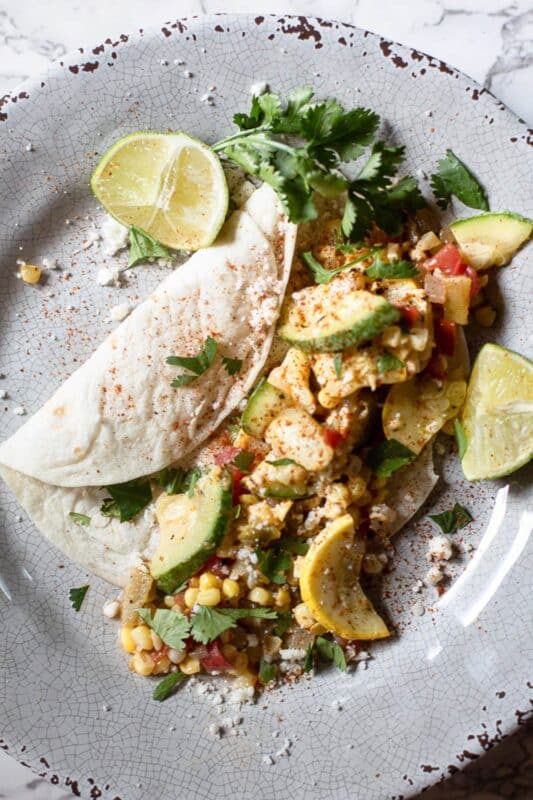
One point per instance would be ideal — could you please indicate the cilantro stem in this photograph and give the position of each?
(240, 135)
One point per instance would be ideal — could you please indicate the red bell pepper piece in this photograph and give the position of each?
(445, 336)
(332, 437)
(410, 314)
(215, 659)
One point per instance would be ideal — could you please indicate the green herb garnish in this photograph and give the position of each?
(143, 246)
(127, 499)
(195, 364)
(388, 362)
(208, 623)
(323, 275)
(267, 671)
(454, 178)
(172, 627)
(293, 544)
(460, 438)
(389, 456)
(308, 660)
(77, 595)
(273, 564)
(283, 623)
(232, 365)
(243, 461)
(193, 477)
(79, 519)
(391, 270)
(337, 364)
(283, 462)
(451, 521)
(166, 687)
(330, 651)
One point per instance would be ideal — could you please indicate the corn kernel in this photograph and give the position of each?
(303, 616)
(162, 666)
(194, 582)
(156, 640)
(248, 499)
(283, 597)
(126, 639)
(372, 564)
(230, 588)
(208, 597)
(209, 581)
(142, 638)
(169, 601)
(176, 656)
(261, 596)
(244, 680)
(30, 274)
(230, 651)
(485, 316)
(190, 596)
(240, 663)
(190, 665)
(142, 664)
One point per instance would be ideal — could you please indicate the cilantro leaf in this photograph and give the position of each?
(232, 365)
(387, 457)
(323, 275)
(196, 364)
(143, 246)
(79, 519)
(450, 521)
(172, 627)
(308, 660)
(127, 499)
(178, 480)
(267, 671)
(283, 623)
(273, 564)
(165, 687)
(283, 462)
(388, 362)
(208, 623)
(391, 270)
(330, 651)
(454, 178)
(192, 479)
(373, 196)
(77, 596)
(243, 461)
(293, 544)
(337, 364)
(460, 438)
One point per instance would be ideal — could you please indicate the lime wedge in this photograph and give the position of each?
(498, 414)
(168, 184)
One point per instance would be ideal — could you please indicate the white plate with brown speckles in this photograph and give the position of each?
(452, 681)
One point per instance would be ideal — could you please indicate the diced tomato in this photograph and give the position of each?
(157, 655)
(215, 565)
(237, 476)
(445, 336)
(437, 367)
(410, 314)
(215, 659)
(332, 437)
(448, 260)
(226, 455)
(474, 281)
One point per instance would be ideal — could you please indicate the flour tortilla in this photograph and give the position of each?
(408, 489)
(117, 417)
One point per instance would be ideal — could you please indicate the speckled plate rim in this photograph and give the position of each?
(303, 27)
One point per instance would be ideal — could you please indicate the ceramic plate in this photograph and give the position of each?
(454, 680)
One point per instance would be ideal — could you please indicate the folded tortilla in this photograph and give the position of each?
(117, 417)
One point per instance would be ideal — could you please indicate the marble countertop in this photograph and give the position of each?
(490, 40)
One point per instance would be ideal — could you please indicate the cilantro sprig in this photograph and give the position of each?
(127, 499)
(460, 438)
(171, 627)
(77, 596)
(450, 521)
(323, 275)
(453, 177)
(388, 362)
(391, 270)
(200, 363)
(208, 623)
(178, 480)
(326, 650)
(166, 687)
(299, 147)
(387, 457)
(143, 246)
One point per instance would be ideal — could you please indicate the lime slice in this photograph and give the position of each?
(498, 414)
(169, 184)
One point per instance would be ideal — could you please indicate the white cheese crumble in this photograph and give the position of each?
(3, 394)
(114, 236)
(120, 312)
(433, 576)
(292, 654)
(417, 588)
(440, 549)
(108, 277)
(260, 87)
(19, 411)
(111, 609)
(418, 609)
(49, 263)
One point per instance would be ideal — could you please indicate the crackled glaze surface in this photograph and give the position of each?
(456, 680)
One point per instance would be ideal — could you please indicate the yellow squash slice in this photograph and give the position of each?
(329, 584)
